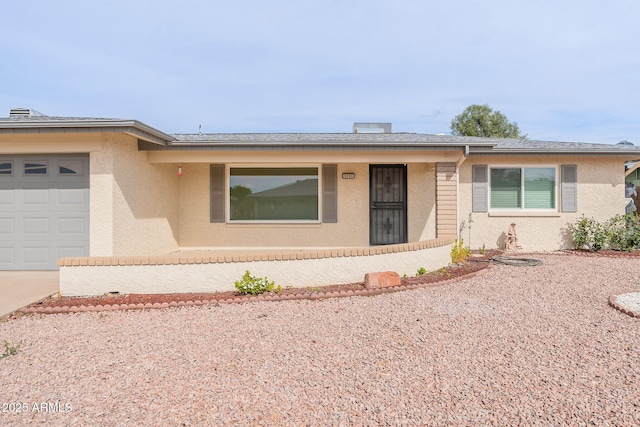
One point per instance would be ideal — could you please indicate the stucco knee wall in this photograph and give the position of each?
(76, 280)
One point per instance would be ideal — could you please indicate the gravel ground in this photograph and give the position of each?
(515, 346)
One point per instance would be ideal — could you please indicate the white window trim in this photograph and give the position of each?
(227, 201)
(556, 168)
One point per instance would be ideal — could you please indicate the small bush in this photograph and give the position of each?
(459, 252)
(253, 285)
(421, 271)
(589, 233)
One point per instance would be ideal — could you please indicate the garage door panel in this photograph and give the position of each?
(44, 210)
(72, 197)
(36, 197)
(73, 227)
(7, 199)
(7, 226)
(36, 226)
(7, 256)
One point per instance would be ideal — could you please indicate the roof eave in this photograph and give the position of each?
(338, 146)
(131, 127)
(498, 151)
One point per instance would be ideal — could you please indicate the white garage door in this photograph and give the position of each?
(44, 210)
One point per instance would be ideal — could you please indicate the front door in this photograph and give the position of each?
(388, 208)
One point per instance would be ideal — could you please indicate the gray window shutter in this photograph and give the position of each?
(480, 188)
(330, 193)
(569, 188)
(217, 193)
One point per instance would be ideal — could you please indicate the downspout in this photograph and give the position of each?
(465, 154)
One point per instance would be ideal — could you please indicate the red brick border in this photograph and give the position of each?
(613, 303)
(251, 298)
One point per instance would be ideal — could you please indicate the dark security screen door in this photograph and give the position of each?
(388, 211)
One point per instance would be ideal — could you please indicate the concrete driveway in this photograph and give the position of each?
(21, 288)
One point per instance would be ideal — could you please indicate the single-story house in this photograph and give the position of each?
(118, 205)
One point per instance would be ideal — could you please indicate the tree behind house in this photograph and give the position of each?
(481, 120)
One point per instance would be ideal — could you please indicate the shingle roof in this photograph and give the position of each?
(375, 138)
(161, 140)
(41, 123)
(532, 146)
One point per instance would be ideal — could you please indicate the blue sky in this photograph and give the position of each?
(562, 69)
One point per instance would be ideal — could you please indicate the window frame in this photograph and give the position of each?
(227, 195)
(28, 172)
(556, 170)
(12, 167)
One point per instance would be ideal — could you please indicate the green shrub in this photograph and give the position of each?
(622, 232)
(589, 233)
(421, 271)
(459, 252)
(253, 285)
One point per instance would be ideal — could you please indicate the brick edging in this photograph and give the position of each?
(613, 303)
(251, 298)
(587, 254)
(267, 255)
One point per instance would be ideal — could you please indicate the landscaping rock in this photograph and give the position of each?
(382, 279)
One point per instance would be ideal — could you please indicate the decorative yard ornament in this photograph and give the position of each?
(512, 239)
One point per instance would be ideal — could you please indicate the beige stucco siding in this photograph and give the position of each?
(196, 230)
(134, 204)
(352, 229)
(600, 195)
(53, 143)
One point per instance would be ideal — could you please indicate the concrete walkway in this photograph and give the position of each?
(21, 288)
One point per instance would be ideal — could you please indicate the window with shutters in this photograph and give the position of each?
(278, 194)
(523, 188)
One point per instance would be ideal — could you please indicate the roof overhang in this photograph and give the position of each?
(44, 125)
(321, 142)
(572, 152)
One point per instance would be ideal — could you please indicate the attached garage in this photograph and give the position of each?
(44, 210)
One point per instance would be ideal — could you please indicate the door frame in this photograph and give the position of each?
(403, 203)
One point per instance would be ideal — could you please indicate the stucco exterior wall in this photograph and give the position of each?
(352, 229)
(600, 195)
(136, 275)
(134, 204)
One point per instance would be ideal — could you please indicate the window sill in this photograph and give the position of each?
(274, 224)
(526, 214)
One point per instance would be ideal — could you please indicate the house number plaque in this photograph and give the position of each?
(348, 175)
